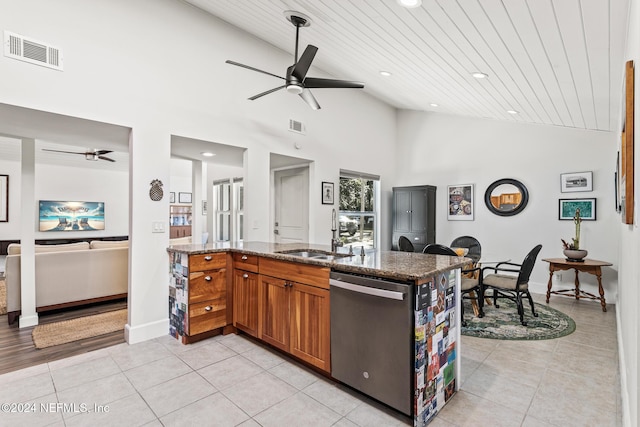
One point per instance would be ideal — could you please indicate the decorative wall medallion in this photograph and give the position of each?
(156, 193)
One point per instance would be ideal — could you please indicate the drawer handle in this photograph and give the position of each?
(244, 257)
(208, 258)
(245, 276)
(207, 278)
(208, 308)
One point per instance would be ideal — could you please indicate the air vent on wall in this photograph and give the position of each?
(296, 126)
(32, 51)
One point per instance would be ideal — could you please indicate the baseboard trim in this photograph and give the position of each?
(145, 332)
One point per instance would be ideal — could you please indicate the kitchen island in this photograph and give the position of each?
(294, 297)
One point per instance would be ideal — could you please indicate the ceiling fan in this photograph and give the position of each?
(94, 155)
(296, 80)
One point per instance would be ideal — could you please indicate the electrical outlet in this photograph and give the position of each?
(558, 276)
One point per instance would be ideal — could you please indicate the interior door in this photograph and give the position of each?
(291, 205)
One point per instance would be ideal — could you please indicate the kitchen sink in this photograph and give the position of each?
(314, 254)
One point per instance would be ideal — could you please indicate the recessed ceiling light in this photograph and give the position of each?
(385, 73)
(207, 154)
(434, 105)
(479, 75)
(410, 3)
(512, 112)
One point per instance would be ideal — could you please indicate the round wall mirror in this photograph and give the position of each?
(506, 197)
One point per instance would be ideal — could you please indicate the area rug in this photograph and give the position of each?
(504, 323)
(66, 331)
(3, 297)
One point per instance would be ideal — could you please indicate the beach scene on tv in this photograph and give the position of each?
(71, 216)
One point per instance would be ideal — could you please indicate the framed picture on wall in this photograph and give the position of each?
(4, 198)
(576, 181)
(172, 197)
(327, 193)
(460, 202)
(184, 197)
(567, 209)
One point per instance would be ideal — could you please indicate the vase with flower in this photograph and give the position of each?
(572, 250)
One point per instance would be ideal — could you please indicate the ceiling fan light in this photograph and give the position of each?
(295, 89)
(410, 4)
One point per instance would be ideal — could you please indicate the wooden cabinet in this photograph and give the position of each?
(207, 293)
(414, 215)
(179, 221)
(245, 301)
(294, 316)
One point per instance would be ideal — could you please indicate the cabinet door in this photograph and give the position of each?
(273, 327)
(402, 210)
(310, 331)
(245, 301)
(418, 211)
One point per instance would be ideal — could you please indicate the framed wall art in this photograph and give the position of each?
(327, 193)
(70, 216)
(172, 197)
(4, 198)
(460, 202)
(184, 197)
(576, 181)
(567, 209)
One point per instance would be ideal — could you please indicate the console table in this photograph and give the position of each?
(590, 266)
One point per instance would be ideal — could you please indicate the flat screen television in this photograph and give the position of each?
(71, 216)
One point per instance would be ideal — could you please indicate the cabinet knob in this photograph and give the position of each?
(244, 257)
(245, 276)
(207, 278)
(208, 258)
(208, 308)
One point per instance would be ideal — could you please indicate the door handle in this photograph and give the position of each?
(383, 293)
(245, 276)
(244, 257)
(275, 232)
(207, 278)
(208, 258)
(208, 308)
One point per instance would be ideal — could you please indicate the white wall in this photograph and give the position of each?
(629, 280)
(441, 150)
(157, 67)
(69, 184)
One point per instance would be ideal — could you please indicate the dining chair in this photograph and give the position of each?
(405, 244)
(470, 283)
(510, 286)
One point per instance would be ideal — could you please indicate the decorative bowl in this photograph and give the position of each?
(461, 251)
(575, 254)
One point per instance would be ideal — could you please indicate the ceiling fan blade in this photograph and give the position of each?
(254, 97)
(312, 82)
(308, 97)
(251, 68)
(106, 158)
(101, 152)
(302, 66)
(60, 151)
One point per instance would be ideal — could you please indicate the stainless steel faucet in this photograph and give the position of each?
(335, 243)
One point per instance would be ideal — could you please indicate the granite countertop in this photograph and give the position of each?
(387, 264)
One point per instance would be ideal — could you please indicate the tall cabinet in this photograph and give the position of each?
(414, 215)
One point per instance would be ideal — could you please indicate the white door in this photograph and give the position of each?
(291, 205)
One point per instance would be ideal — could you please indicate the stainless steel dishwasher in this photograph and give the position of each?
(372, 337)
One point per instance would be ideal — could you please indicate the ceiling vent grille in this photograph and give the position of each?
(32, 51)
(296, 126)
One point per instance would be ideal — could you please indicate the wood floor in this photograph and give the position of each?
(16, 345)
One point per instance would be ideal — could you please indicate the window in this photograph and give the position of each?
(229, 209)
(359, 195)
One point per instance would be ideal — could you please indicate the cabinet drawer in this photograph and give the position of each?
(205, 262)
(206, 316)
(206, 285)
(293, 271)
(245, 262)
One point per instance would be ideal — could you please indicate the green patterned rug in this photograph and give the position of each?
(504, 323)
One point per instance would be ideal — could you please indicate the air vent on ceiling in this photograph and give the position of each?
(32, 51)
(296, 126)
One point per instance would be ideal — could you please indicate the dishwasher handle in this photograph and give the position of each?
(383, 293)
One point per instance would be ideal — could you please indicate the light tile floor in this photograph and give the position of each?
(230, 380)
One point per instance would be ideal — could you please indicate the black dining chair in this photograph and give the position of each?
(470, 286)
(405, 244)
(510, 286)
(471, 243)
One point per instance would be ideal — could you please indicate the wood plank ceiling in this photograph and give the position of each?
(553, 62)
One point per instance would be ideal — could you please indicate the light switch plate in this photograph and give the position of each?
(157, 227)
